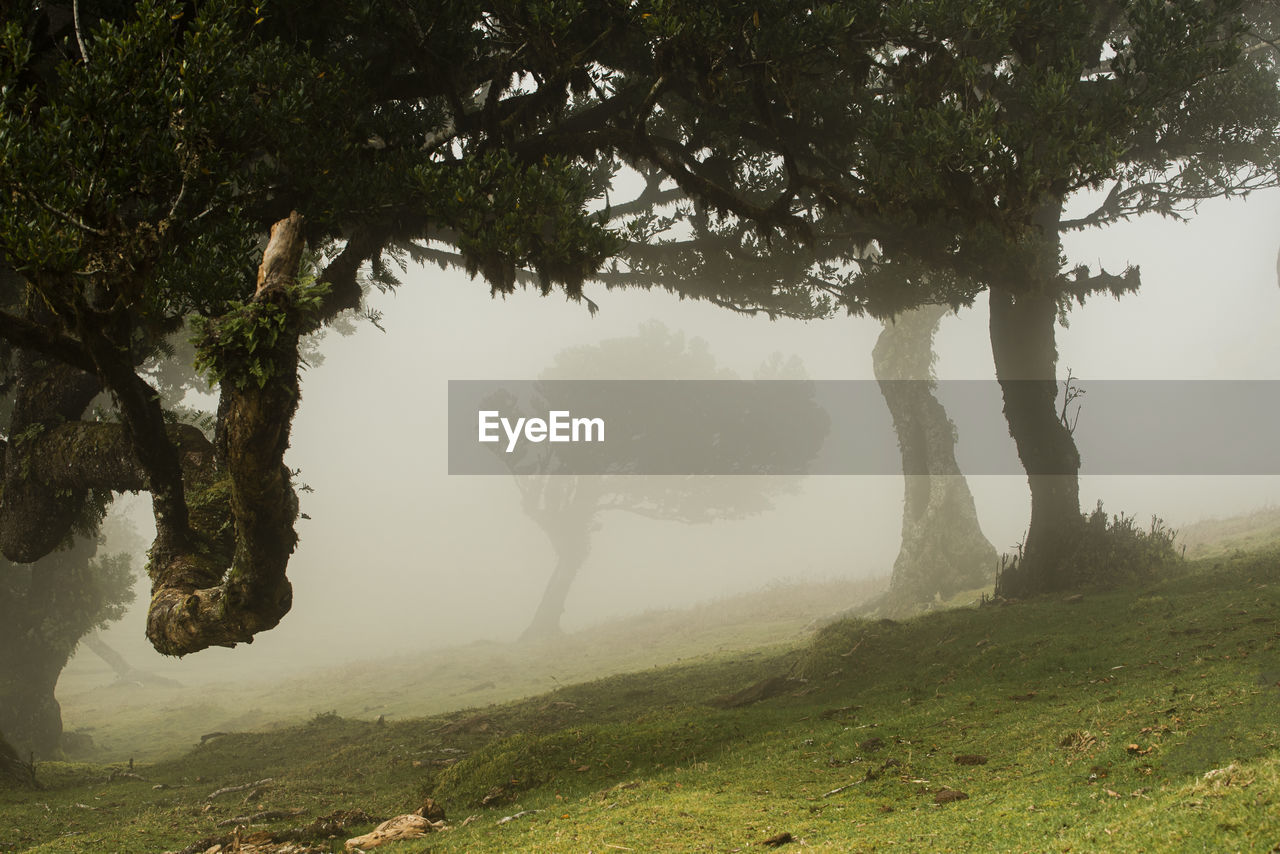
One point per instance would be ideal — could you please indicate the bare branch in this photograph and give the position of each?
(75, 14)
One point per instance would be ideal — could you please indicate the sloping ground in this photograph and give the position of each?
(1137, 720)
(150, 723)
(1214, 537)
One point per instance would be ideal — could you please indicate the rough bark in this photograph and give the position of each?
(1022, 342)
(200, 599)
(225, 510)
(943, 548)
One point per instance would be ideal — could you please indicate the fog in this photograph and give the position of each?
(397, 555)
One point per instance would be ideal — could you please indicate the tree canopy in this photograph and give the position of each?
(934, 161)
(148, 147)
(164, 164)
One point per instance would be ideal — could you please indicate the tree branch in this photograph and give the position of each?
(29, 335)
(201, 599)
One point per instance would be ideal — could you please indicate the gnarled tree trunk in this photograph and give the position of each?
(943, 548)
(224, 516)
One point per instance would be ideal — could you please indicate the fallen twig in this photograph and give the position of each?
(321, 829)
(226, 790)
(266, 815)
(123, 775)
(841, 789)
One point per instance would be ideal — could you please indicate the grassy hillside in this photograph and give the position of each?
(1133, 720)
(148, 723)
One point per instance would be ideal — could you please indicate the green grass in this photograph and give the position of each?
(150, 724)
(1218, 537)
(1134, 720)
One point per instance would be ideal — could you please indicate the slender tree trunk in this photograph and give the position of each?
(1022, 342)
(125, 672)
(94, 643)
(572, 543)
(943, 548)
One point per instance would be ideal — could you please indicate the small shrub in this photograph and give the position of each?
(1108, 552)
(1117, 551)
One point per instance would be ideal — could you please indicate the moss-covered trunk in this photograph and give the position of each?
(37, 513)
(224, 516)
(224, 581)
(943, 549)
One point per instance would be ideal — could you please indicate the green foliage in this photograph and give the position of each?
(1118, 552)
(114, 577)
(122, 179)
(510, 214)
(944, 132)
(242, 345)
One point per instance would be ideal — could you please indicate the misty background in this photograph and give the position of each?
(398, 556)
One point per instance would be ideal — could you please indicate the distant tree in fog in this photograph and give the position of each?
(46, 609)
(786, 427)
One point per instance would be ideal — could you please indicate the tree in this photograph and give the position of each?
(783, 431)
(139, 192)
(943, 549)
(950, 135)
(1164, 103)
(147, 148)
(47, 606)
(45, 610)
